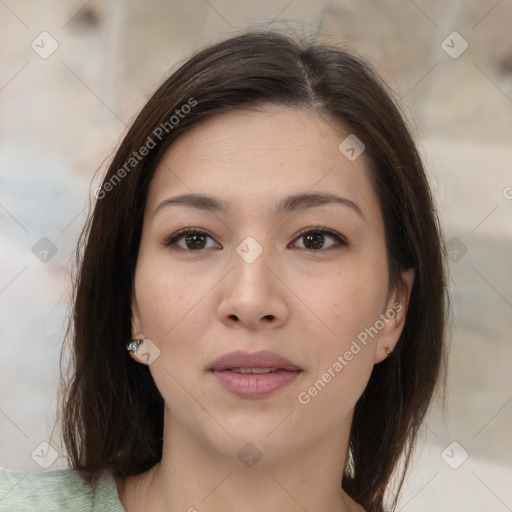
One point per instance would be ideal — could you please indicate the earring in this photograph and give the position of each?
(388, 351)
(133, 345)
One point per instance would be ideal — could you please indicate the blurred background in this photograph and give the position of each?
(74, 73)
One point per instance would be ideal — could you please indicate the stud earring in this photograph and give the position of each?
(133, 345)
(388, 351)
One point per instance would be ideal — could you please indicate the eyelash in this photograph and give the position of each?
(174, 238)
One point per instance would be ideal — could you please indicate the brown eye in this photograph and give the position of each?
(196, 241)
(315, 239)
(189, 240)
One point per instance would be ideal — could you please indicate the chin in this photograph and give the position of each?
(251, 448)
(250, 438)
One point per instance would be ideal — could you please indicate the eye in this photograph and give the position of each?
(314, 239)
(193, 240)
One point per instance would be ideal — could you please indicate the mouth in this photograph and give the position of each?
(254, 370)
(253, 375)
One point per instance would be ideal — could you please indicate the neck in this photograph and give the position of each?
(192, 477)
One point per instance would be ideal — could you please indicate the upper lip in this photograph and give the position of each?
(241, 359)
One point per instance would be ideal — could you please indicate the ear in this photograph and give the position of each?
(393, 316)
(136, 328)
(135, 332)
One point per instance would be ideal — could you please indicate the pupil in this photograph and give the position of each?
(316, 240)
(197, 241)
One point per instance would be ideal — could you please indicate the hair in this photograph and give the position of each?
(112, 411)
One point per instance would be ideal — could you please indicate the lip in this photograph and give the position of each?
(262, 359)
(249, 385)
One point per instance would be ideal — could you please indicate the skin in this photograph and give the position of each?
(305, 304)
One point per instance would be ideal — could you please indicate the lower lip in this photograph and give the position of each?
(252, 385)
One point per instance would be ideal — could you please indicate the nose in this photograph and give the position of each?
(254, 295)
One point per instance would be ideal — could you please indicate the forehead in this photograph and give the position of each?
(254, 158)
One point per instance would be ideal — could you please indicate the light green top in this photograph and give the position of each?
(62, 490)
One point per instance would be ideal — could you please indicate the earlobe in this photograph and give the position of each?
(133, 344)
(132, 348)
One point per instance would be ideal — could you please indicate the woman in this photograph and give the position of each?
(266, 249)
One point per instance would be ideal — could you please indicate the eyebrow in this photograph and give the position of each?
(295, 202)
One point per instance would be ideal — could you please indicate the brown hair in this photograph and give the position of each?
(112, 412)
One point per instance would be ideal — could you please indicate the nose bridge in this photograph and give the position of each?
(251, 261)
(252, 294)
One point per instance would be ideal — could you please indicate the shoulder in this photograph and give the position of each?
(55, 491)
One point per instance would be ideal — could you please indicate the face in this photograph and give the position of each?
(265, 266)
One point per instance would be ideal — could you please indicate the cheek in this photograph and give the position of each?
(175, 319)
(344, 354)
(346, 300)
(175, 312)
(166, 297)
(347, 304)
(329, 399)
